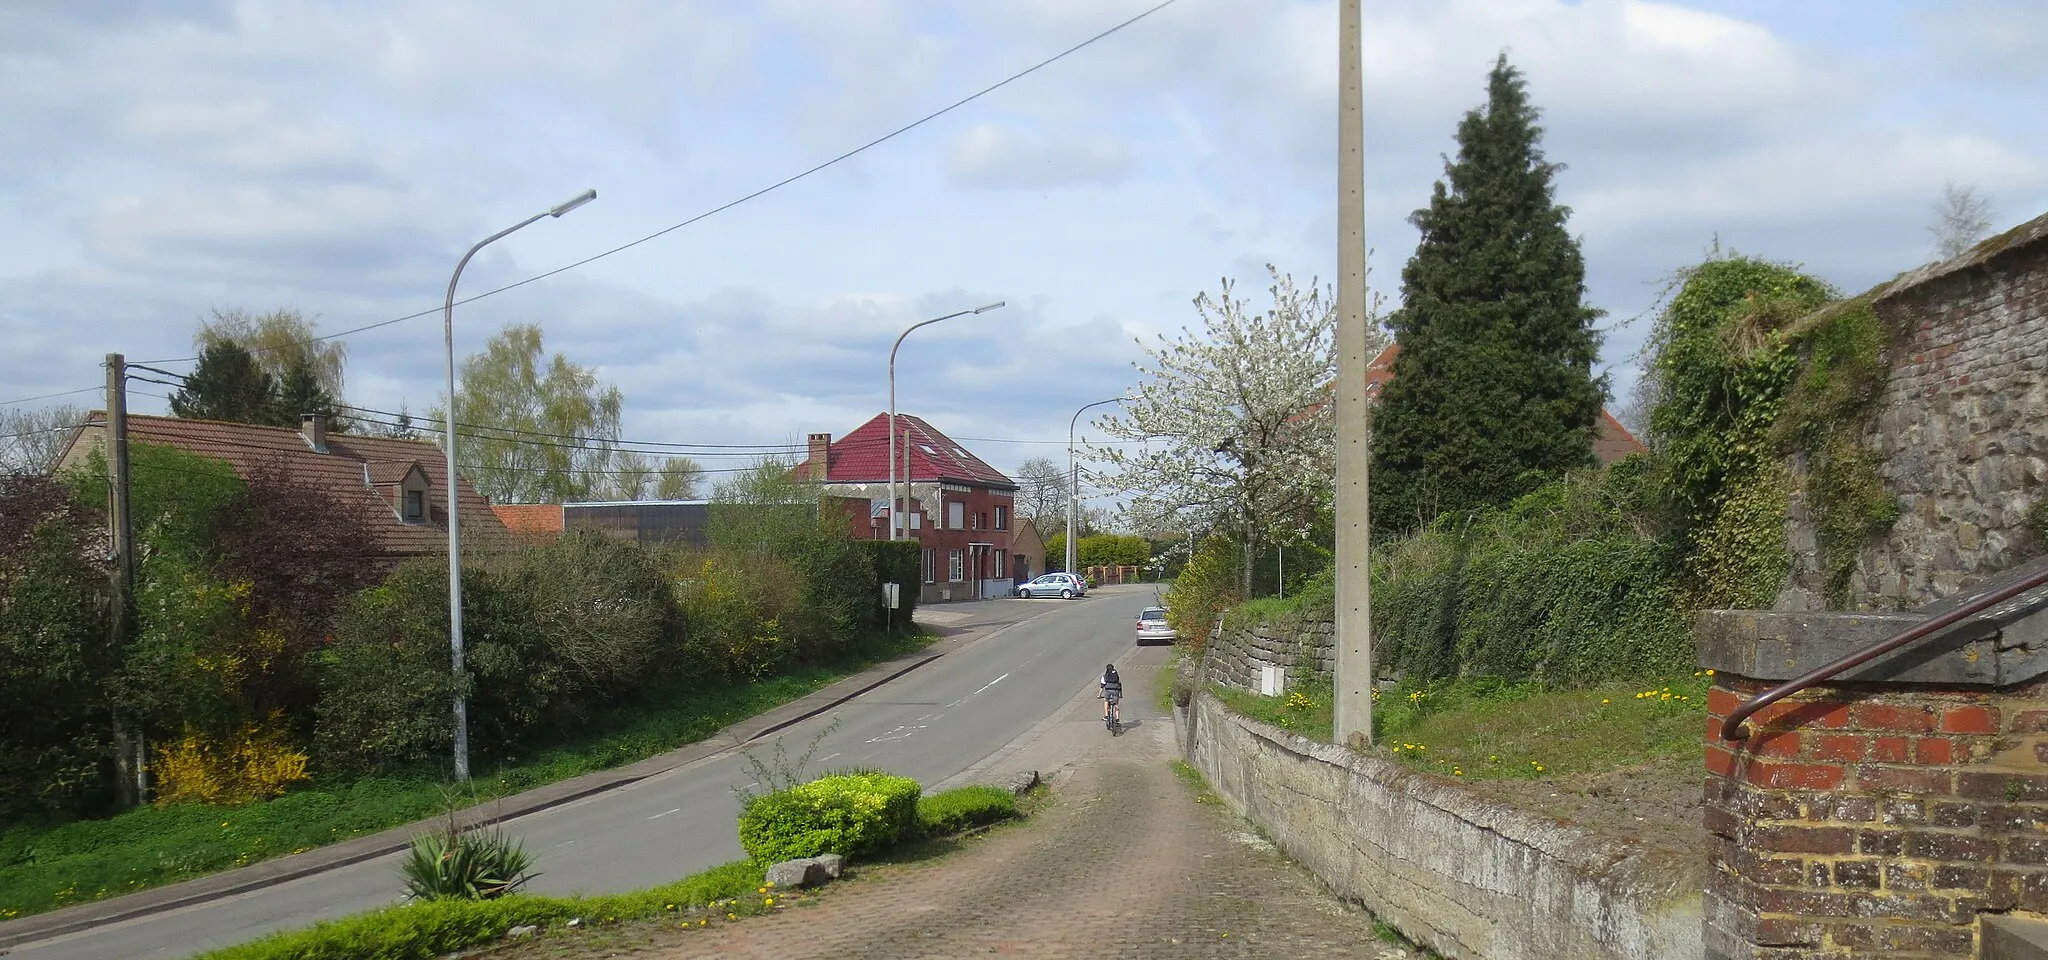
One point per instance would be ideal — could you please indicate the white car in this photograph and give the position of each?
(1065, 586)
(1152, 627)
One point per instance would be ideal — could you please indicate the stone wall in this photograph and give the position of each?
(1236, 654)
(1461, 875)
(1962, 434)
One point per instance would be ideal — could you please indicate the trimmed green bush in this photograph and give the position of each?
(850, 815)
(963, 808)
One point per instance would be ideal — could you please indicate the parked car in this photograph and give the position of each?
(1066, 586)
(1153, 628)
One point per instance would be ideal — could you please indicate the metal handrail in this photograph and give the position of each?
(1732, 728)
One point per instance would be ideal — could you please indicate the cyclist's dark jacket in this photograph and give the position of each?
(1112, 686)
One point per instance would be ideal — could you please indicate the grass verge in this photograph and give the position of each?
(1309, 710)
(1493, 730)
(1193, 778)
(723, 894)
(43, 868)
(1480, 730)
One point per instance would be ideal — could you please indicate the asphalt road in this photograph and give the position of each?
(931, 724)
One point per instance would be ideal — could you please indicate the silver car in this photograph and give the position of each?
(1153, 628)
(1066, 586)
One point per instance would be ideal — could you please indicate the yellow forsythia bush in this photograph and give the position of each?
(257, 763)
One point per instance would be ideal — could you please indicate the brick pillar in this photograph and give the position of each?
(1874, 820)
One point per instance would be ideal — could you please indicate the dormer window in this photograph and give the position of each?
(415, 506)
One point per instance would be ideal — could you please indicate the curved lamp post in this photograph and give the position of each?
(454, 515)
(895, 515)
(1074, 475)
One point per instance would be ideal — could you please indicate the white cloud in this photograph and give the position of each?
(997, 158)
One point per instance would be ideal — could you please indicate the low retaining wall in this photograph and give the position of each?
(1457, 873)
(1236, 654)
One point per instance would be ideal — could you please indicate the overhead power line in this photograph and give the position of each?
(51, 396)
(777, 185)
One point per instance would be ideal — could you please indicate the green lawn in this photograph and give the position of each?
(42, 868)
(1494, 731)
(1491, 730)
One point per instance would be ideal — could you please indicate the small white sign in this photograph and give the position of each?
(1272, 680)
(889, 595)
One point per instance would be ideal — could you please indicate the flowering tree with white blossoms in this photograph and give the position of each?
(1243, 409)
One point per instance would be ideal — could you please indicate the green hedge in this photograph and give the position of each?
(850, 815)
(421, 931)
(898, 562)
(1566, 586)
(963, 808)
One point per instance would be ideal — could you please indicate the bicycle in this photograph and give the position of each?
(1112, 717)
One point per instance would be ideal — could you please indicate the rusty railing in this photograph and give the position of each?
(1732, 728)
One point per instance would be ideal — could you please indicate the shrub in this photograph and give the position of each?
(54, 656)
(455, 864)
(256, 763)
(962, 808)
(851, 816)
(1206, 586)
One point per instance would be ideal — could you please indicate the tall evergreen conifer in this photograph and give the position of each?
(227, 385)
(1493, 391)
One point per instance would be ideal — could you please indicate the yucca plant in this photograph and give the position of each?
(457, 864)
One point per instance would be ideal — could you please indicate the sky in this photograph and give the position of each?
(163, 160)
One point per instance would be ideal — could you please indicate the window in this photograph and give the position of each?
(415, 506)
(1002, 518)
(956, 516)
(974, 521)
(984, 521)
(916, 519)
(955, 566)
(931, 564)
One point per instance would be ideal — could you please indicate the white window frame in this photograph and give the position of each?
(956, 515)
(930, 564)
(1002, 517)
(956, 566)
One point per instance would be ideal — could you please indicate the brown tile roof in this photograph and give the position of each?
(349, 468)
(530, 518)
(386, 471)
(1612, 441)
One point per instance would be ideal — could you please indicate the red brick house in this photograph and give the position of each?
(960, 509)
(399, 485)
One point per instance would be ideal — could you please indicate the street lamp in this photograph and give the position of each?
(1074, 476)
(454, 513)
(895, 515)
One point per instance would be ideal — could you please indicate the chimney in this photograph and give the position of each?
(821, 456)
(313, 427)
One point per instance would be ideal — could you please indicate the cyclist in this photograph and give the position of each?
(1112, 691)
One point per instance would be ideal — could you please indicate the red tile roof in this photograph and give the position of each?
(348, 470)
(863, 456)
(1611, 443)
(530, 518)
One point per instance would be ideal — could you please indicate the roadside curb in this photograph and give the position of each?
(57, 923)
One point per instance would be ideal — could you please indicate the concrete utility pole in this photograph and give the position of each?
(129, 787)
(1354, 507)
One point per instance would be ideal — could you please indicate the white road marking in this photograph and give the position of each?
(900, 733)
(826, 757)
(984, 688)
(665, 813)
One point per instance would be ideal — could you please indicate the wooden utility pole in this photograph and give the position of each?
(129, 787)
(1354, 507)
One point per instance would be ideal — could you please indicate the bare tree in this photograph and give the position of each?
(1042, 492)
(1961, 218)
(32, 440)
(1642, 398)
